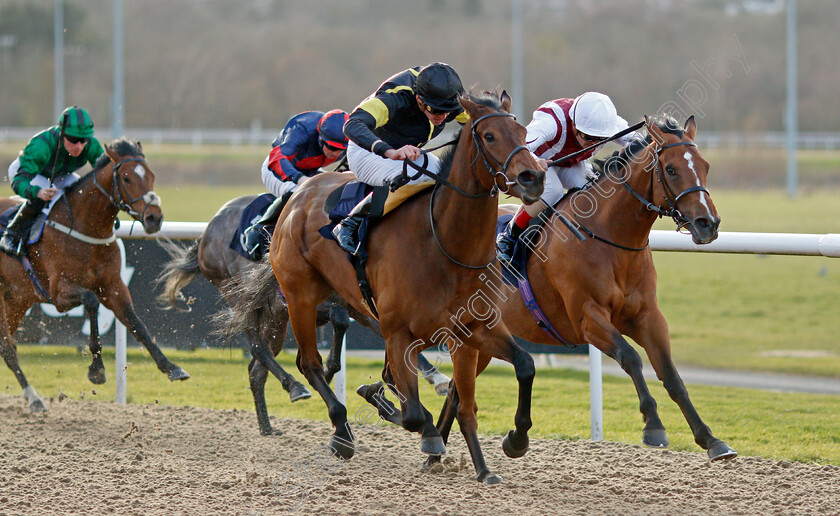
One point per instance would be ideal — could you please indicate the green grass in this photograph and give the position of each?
(780, 426)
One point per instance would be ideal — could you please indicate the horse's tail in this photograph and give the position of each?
(255, 291)
(177, 273)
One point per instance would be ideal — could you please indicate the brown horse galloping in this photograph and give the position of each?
(598, 290)
(426, 264)
(77, 262)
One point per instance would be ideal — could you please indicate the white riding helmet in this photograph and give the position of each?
(594, 114)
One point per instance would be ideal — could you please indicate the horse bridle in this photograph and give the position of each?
(117, 195)
(493, 191)
(673, 212)
(496, 169)
(679, 219)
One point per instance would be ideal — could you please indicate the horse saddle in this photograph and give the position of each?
(250, 215)
(37, 227)
(344, 198)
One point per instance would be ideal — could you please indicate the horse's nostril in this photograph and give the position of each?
(526, 178)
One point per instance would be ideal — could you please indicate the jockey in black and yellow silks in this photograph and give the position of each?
(403, 114)
(51, 154)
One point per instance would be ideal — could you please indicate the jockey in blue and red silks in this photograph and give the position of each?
(309, 141)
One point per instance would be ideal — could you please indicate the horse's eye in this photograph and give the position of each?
(126, 179)
(670, 170)
(489, 138)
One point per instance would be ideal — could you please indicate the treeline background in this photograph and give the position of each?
(254, 63)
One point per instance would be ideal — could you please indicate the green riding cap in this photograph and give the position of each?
(77, 122)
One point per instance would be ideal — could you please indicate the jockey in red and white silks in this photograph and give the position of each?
(559, 128)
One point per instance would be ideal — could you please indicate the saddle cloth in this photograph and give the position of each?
(344, 198)
(251, 214)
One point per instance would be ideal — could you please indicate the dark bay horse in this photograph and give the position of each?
(426, 267)
(78, 262)
(212, 257)
(600, 289)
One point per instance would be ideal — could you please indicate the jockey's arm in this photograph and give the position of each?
(35, 157)
(541, 129)
(370, 114)
(281, 165)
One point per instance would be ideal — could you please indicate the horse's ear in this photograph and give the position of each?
(111, 153)
(654, 131)
(506, 101)
(139, 146)
(690, 128)
(466, 103)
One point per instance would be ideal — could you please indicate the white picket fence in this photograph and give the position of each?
(728, 242)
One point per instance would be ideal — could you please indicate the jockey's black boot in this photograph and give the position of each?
(13, 238)
(251, 236)
(347, 232)
(506, 241)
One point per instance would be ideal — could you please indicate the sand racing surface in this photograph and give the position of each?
(99, 458)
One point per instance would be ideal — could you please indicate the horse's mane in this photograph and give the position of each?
(122, 146)
(620, 158)
(447, 155)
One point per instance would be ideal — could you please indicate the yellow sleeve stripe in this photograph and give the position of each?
(463, 117)
(377, 109)
(398, 88)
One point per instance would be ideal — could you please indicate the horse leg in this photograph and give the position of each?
(257, 375)
(302, 313)
(449, 411)
(599, 331)
(260, 350)
(653, 335)
(340, 320)
(119, 302)
(402, 353)
(464, 360)
(96, 370)
(9, 352)
(501, 345)
(433, 375)
(374, 393)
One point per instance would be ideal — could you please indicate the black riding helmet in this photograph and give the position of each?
(439, 86)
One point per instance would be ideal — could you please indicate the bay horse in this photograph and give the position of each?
(212, 257)
(77, 261)
(601, 289)
(426, 267)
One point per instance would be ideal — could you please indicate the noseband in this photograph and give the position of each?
(673, 212)
(117, 195)
(496, 169)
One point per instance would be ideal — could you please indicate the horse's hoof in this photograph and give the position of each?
(656, 438)
(176, 373)
(490, 479)
(341, 448)
(442, 389)
(96, 376)
(432, 445)
(720, 450)
(37, 406)
(299, 392)
(430, 461)
(512, 451)
(270, 431)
